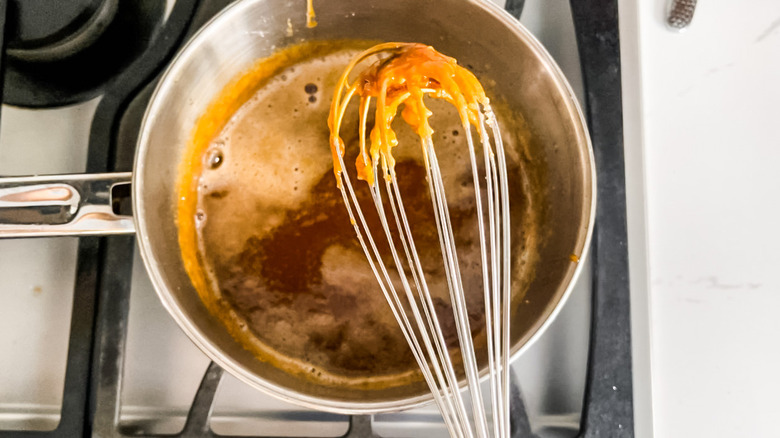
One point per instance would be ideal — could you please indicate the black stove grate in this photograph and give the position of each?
(72, 54)
(96, 351)
(608, 408)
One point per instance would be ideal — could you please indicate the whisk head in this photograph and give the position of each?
(403, 74)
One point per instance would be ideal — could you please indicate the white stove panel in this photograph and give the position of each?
(37, 275)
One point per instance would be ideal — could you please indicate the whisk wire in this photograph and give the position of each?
(413, 306)
(431, 316)
(396, 307)
(438, 375)
(457, 295)
(492, 312)
(421, 326)
(505, 260)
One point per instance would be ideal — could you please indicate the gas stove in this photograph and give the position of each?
(89, 349)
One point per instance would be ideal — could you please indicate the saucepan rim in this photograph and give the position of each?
(214, 352)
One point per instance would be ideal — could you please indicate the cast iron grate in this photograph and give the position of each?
(96, 350)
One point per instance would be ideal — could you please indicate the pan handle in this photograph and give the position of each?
(66, 205)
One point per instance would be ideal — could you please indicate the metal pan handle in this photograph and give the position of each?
(66, 205)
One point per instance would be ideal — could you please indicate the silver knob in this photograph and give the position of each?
(680, 13)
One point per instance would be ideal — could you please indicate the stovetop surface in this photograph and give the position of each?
(163, 368)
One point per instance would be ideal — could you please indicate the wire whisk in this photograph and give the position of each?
(403, 74)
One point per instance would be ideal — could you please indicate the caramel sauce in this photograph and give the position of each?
(267, 242)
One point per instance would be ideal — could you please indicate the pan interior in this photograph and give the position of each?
(550, 145)
(268, 240)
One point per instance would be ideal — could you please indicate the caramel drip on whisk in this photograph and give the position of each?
(310, 15)
(411, 72)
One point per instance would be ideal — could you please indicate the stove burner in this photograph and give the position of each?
(65, 52)
(44, 33)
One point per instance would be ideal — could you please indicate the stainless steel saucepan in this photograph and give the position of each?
(476, 32)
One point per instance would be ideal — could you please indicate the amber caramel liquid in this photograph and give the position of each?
(268, 242)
